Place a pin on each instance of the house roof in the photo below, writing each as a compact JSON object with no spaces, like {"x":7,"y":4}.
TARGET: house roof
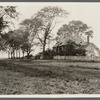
{"x":92,"y":44}
{"x":95,"y":47}
{"x":83,"y":46}
{"x":64,"y":39}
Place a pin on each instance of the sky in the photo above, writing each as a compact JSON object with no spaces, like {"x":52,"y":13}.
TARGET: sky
{"x":88,"y":13}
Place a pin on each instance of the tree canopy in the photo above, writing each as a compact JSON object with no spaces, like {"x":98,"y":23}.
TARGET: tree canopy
{"x":38,"y":30}
{"x":6,"y":14}
{"x":48,"y":18}
{"x":75,"y":28}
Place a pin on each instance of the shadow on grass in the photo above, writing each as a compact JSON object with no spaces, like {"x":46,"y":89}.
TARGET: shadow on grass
{"x":27,"y":71}
{"x":67,"y":73}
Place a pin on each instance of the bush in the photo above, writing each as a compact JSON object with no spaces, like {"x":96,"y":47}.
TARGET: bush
{"x":49,"y":54}
{"x":30,"y":56}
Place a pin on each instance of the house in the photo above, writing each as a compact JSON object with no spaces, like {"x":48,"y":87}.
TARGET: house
{"x":91,"y":49}
{"x":63,"y":40}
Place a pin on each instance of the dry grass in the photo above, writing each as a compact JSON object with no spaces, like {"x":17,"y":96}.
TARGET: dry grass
{"x":49,"y":77}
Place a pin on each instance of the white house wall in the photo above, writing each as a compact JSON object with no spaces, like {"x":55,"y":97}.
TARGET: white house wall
{"x":91,"y":51}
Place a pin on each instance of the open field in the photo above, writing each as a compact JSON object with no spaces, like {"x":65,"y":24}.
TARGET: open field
{"x":49,"y":77}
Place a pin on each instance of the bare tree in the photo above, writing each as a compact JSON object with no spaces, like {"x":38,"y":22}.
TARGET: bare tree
{"x":48,"y":17}
{"x":6,"y":14}
{"x":29,"y":32}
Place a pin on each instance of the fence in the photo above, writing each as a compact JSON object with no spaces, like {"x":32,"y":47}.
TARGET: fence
{"x":77,"y":58}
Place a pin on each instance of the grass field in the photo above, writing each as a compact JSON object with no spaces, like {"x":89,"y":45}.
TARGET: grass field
{"x":49,"y":77}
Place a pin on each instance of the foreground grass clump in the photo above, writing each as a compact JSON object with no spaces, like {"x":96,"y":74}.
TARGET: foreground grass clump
{"x":49,"y":77}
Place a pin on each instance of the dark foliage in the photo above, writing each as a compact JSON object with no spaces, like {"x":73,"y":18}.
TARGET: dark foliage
{"x":49,"y":54}
{"x":70,"y":49}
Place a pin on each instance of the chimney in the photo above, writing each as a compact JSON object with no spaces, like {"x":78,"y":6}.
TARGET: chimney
{"x":88,"y":39}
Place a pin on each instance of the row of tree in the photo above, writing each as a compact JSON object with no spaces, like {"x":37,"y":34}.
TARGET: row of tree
{"x":34,"y":31}
{"x":38,"y":28}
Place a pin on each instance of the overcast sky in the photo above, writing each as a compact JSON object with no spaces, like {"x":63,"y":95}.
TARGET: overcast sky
{"x":89,"y":13}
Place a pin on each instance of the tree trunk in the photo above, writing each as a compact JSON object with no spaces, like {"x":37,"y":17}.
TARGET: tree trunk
{"x":11,"y":55}
{"x":43,"y":51}
{"x":19,"y":53}
{"x":23,"y":54}
{"x":28,"y":55}
{"x":8,"y":55}
{"x":44,"y":44}
{"x":16,"y":53}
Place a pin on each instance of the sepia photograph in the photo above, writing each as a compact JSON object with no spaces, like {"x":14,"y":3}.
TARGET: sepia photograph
{"x":49,"y":48}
